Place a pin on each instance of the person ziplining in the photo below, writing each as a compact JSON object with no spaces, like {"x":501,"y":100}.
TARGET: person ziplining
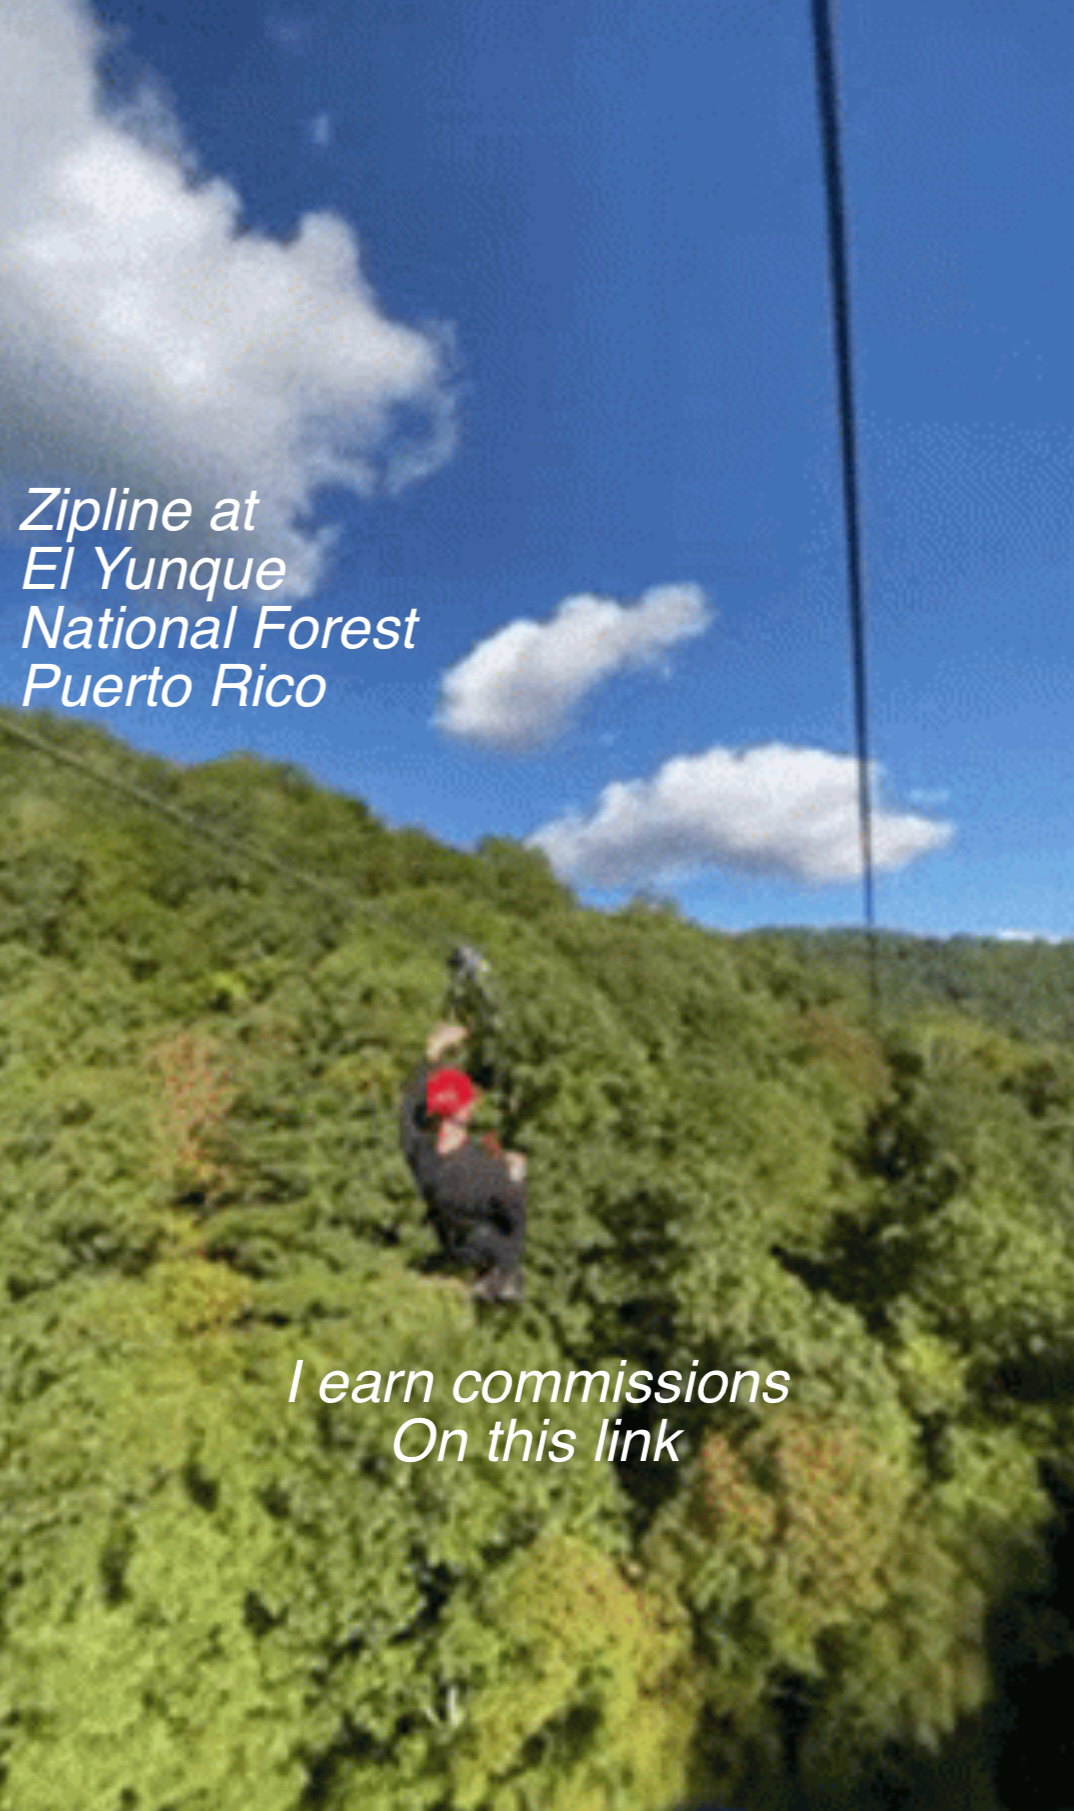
{"x":475,"y":1193}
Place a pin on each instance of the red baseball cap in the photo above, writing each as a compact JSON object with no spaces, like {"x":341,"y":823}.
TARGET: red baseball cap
{"x":447,"y":1092}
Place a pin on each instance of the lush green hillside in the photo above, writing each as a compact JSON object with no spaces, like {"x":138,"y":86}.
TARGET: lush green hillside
{"x":214,"y":1599}
{"x":1023,"y":988}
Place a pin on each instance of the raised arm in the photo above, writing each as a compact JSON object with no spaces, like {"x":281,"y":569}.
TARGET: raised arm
{"x":443,"y":1038}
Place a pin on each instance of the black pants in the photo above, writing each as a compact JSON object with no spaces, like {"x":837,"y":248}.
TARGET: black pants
{"x":485,"y":1244}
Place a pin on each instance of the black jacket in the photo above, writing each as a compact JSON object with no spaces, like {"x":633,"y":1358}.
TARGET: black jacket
{"x":478,"y":1211}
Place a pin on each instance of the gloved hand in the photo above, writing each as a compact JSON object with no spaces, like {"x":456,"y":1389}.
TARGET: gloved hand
{"x":441,"y":1039}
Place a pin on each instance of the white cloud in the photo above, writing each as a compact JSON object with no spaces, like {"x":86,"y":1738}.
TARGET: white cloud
{"x":517,"y":690}
{"x":322,"y":130}
{"x":146,"y":338}
{"x":1029,"y":937}
{"x":287,"y":33}
{"x":773,"y":810}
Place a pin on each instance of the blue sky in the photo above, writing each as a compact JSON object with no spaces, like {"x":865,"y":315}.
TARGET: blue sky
{"x":587,"y":358}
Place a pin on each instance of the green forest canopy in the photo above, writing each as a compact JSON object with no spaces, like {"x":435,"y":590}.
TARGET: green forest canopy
{"x":857,"y":1597}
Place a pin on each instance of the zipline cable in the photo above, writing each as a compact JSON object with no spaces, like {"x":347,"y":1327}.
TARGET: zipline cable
{"x":470,"y":995}
{"x":827,"y":78}
{"x":200,"y":832}
{"x":235,"y":848}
